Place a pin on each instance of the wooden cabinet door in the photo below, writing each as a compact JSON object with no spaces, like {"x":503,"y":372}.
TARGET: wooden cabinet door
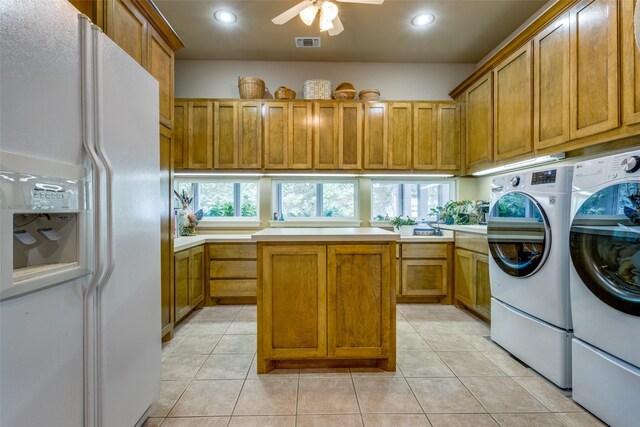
{"x":196,"y":279}
{"x":447,"y":137}
{"x":326,"y":135}
{"x":630,"y":65}
{"x":166,"y":233}
{"x":300,"y":135}
{"x":160,"y":64}
{"x":225,"y":135}
{"x":294,"y":298}
{"x":276,"y":135}
{"x":479,"y":123}
{"x":465,"y":277}
{"x":422,"y":277}
{"x":398,"y":277}
{"x":127,"y":28}
{"x":376,"y":129}
{"x":513,"y":111}
{"x":350,"y":135}
{"x":425,"y":151}
{"x":200,"y":141}
{"x":482,"y":283}
{"x":594,"y":67}
{"x":180,"y":134}
{"x":250,"y":135}
{"x":359,"y":297}
{"x":551,"y":95}
{"x":400,"y":133}
{"x":182,"y":267}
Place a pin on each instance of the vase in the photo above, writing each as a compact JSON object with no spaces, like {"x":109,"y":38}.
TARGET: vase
{"x":406,"y":230}
{"x":185,"y":226}
{"x":449,"y":221}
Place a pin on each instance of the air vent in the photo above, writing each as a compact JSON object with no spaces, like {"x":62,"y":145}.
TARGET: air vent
{"x":307,"y":41}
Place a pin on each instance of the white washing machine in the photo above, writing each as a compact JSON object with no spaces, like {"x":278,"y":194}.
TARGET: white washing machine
{"x":528,"y":233}
{"x":605,"y":287}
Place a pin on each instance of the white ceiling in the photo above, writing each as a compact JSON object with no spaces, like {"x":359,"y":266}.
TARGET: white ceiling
{"x":464,"y":30}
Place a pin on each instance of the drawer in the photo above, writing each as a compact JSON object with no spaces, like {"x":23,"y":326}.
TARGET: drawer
{"x":233,"y":251}
{"x":227,"y":269}
{"x":233,"y":288}
{"x":472,"y":242}
{"x":424,"y":250}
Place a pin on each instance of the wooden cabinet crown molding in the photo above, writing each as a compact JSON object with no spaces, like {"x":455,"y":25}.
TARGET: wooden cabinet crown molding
{"x":158,"y":21}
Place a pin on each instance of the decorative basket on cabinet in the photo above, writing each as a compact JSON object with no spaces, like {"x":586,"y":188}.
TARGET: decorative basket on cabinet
{"x":251,"y":88}
{"x":317,"y":89}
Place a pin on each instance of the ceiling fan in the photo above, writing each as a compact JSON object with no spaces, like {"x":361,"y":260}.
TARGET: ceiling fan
{"x":308,"y":9}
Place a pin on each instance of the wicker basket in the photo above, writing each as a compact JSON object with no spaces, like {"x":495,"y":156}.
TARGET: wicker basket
{"x":369,"y":95}
{"x":317,"y":89}
{"x":284,"y":93}
{"x":345,"y":90}
{"x":251,"y":88}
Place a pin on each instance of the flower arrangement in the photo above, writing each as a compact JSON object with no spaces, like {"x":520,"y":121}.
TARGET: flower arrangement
{"x":187,"y":220}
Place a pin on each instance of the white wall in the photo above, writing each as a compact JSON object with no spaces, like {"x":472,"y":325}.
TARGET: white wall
{"x":219,"y":79}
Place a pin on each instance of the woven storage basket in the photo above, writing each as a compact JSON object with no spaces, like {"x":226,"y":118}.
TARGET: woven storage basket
{"x":285,"y":93}
{"x":369,"y":94}
{"x":345,"y":91}
{"x":317,"y":89}
{"x":250,"y":88}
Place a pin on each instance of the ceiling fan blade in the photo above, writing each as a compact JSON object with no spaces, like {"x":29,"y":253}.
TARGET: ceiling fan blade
{"x":337,"y":27}
{"x":362,"y":1}
{"x":286,"y":16}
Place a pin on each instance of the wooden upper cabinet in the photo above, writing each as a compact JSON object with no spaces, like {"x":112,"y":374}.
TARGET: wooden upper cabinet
{"x":225,"y":134}
{"x":479,"y":123}
{"x":160,"y":63}
{"x":551,"y":96}
{"x":127,"y":28}
{"x":249,"y":135}
{"x":594,"y":67}
{"x":276,"y":135}
{"x":630,"y":66}
{"x":400,"y":132}
{"x":375,"y":135}
{"x":326,"y":135}
{"x":512,"y":118}
{"x":180,"y":134}
{"x":200,"y":139}
{"x":350,"y":135}
{"x":447,"y":137}
{"x":424,"y":136}
{"x":300,"y":135}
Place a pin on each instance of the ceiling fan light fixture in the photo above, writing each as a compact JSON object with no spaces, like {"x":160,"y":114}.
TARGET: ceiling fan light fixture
{"x":329,"y":10}
{"x":308,"y":15}
{"x":423,"y":19}
{"x":325,"y":24}
{"x":225,"y":16}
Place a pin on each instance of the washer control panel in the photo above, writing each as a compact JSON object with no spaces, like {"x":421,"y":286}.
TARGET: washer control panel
{"x":631,"y":164}
{"x":544,"y":177}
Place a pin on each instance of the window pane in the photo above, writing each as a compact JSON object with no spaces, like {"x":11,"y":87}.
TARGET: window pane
{"x":298,"y":199}
{"x":338,"y":199}
{"x":216,"y":198}
{"x":248,"y":199}
{"x":385,"y":199}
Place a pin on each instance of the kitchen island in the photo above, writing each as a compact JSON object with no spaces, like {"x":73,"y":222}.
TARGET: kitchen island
{"x":326,"y":298}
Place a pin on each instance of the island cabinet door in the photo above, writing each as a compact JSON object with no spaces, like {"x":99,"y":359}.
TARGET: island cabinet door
{"x":294,"y":295}
{"x":182,"y":272}
{"x":359,"y":297}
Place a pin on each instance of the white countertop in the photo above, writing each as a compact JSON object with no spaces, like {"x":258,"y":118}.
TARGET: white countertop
{"x":324,"y":234}
{"x":182,"y":243}
{"x":475,"y":229}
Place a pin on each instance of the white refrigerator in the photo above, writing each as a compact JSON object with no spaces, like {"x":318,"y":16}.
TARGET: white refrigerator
{"x":80,"y":207}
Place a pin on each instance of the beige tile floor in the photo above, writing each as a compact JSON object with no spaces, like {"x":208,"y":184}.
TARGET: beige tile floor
{"x":448,"y":374}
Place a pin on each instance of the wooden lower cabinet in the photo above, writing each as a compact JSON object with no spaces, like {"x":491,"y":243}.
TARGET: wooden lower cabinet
{"x":188,"y":283}
{"x":326,"y":305}
{"x":425,"y":272}
{"x":232,"y":273}
{"x":472,"y":285}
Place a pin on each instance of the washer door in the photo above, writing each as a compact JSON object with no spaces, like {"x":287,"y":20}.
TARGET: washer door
{"x":519,"y":234}
{"x":605,"y":246}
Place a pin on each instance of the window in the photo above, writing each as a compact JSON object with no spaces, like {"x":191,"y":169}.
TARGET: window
{"x":222,"y":198}
{"x":315,"y":199}
{"x":414,"y":199}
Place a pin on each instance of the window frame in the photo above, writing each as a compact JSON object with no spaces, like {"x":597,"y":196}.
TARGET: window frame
{"x":405,"y":204}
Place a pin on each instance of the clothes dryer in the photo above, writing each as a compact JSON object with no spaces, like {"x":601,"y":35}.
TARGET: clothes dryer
{"x":605,"y":287}
{"x":528,"y":231}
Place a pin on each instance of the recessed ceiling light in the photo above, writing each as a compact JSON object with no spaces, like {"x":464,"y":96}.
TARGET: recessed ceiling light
{"x":423,"y":19}
{"x":225,"y":16}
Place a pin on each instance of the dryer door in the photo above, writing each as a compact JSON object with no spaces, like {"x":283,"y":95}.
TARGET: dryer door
{"x":605,"y":245}
{"x":519,"y":234}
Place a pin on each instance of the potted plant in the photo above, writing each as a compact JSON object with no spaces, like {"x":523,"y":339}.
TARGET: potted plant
{"x":453,"y":212}
{"x":403,"y":225}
